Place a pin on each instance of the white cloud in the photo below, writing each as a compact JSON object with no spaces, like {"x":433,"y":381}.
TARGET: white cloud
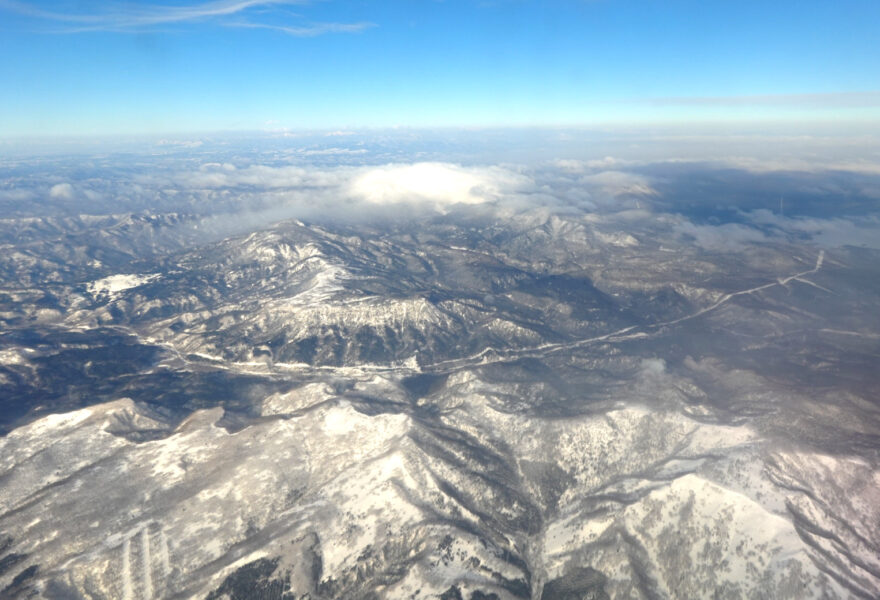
{"x":359,"y":191}
{"x":269,"y":193}
{"x":435,"y":184}
{"x":865,"y":231}
{"x":727,"y":237}
{"x":653,"y":367}
{"x":264,"y":193}
{"x":62,"y":191}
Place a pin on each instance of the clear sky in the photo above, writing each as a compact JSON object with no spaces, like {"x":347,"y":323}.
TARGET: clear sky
{"x":104,"y":67}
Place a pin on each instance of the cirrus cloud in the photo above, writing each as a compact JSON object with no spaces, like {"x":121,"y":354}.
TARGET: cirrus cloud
{"x":140,"y":17}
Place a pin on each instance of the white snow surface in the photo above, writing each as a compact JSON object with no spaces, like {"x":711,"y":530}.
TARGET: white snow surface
{"x":114,"y":284}
{"x":366,"y":492}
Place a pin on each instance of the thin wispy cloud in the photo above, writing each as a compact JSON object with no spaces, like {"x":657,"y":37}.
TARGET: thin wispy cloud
{"x":310,"y":30}
{"x":138,"y":17}
{"x":867,"y":99}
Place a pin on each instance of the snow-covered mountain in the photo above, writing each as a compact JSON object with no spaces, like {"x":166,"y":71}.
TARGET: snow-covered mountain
{"x":466,"y":404}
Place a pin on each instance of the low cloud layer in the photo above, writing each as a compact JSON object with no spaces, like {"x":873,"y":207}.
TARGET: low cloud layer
{"x":713,"y":206}
{"x":837,"y":231}
{"x":727,"y":237}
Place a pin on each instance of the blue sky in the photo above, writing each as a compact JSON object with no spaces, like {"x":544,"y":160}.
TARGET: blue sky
{"x":76,"y":67}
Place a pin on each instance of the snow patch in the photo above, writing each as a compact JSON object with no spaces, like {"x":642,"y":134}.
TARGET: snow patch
{"x":117,"y":283}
